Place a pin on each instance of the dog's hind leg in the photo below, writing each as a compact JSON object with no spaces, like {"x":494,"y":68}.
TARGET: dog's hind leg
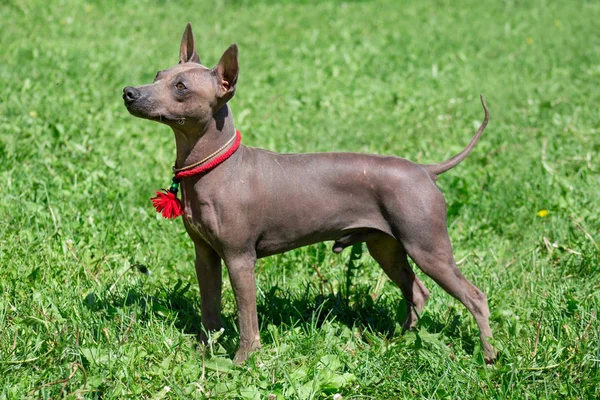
{"x":391,"y":256}
{"x":432,"y":252}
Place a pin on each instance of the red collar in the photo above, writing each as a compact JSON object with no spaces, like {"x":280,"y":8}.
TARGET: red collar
{"x":167,"y":203}
{"x":209,"y":164}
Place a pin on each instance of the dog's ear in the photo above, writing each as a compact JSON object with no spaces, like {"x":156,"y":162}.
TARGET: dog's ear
{"x":226,"y":72}
{"x":187,"y":50}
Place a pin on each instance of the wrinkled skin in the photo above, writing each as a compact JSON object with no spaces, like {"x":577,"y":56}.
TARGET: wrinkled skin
{"x":258,"y":203}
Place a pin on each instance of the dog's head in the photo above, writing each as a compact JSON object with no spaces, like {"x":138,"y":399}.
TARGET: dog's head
{"x":189,"y":94}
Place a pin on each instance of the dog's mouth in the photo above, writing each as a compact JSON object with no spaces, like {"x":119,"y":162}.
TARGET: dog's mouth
{"x":134,"y":109}
{"x":147,"y":112}
{"x":141,"y":107}
{"x":141,"y":104}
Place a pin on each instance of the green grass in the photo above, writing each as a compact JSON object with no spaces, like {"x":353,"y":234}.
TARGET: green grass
{"x":78,"y":320}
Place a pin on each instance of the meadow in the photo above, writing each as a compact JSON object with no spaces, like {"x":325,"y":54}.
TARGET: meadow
{"x":98,"y":294}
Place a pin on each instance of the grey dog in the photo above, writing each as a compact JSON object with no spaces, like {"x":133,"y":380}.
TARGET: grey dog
{"x":258,"y":203}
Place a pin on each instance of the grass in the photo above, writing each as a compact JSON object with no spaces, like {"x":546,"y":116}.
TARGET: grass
{"x":78,"y":320}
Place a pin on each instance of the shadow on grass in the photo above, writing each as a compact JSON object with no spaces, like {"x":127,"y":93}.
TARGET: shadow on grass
{"x":353,"y":307}
{"x":383,"y":316}
{"x":278,"y":307}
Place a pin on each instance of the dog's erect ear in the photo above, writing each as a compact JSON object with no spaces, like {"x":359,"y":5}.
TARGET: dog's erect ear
{"x":226,"y":72}
{"x":187,"y":50}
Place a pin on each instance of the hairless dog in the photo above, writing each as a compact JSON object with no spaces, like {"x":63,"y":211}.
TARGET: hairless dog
{"x":251,"y":203}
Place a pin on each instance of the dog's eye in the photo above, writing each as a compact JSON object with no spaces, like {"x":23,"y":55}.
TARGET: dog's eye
{"x":180,"y":86}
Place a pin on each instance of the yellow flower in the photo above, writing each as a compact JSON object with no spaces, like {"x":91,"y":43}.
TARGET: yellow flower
{"x":529,"y":41}
{"x":557,"y":22}
{"x":32,"y":114}
{"x":542,"y":213}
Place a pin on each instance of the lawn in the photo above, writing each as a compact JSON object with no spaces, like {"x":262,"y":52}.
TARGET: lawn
{"x":98,"y":294}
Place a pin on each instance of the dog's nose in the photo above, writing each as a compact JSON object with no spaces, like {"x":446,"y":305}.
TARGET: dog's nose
{"x":130,"y":94}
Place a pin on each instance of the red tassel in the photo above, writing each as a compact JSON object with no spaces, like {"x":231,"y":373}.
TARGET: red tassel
{"x":168,"y":204}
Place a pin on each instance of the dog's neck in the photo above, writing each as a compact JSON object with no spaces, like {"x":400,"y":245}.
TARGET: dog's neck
{"x":194,"y":145}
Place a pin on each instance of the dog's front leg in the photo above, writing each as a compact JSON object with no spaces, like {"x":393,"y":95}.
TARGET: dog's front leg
{"x":241,"y":275}
{"x":208,"y":271}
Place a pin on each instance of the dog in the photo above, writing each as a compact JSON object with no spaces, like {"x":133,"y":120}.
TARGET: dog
{"x":248,"y":203}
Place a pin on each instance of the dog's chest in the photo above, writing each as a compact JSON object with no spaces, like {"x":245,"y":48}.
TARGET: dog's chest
{"x":201,"y":221}
{"x":194,"y":228}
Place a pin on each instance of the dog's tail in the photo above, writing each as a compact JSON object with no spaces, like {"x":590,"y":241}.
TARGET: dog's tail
{"x":440,"y":168}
